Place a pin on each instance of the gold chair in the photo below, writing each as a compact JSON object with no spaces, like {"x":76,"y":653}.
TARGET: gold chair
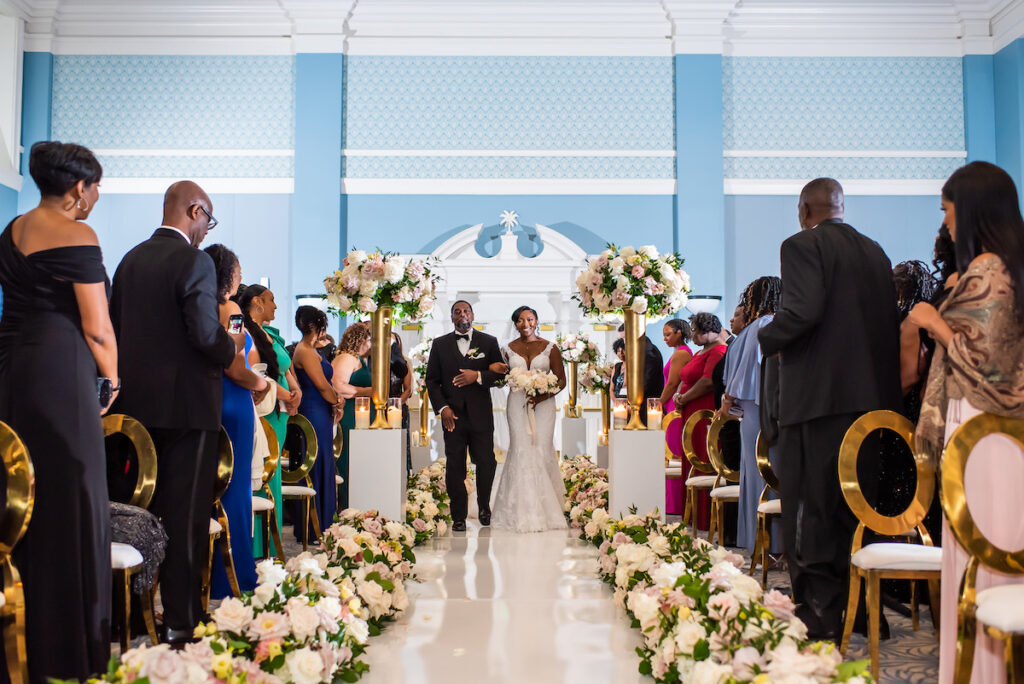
{"x":725,"y":490}
{"x":264,"y":508}
{"x":695,"y":483}
{"x":21,"y":494}
{"x":673,"y":465}
{"x":290,"y":491}
{"x":219,"y":524}
{"x":886,"y":560}
{"x":339,"y":445}
{"x":767,"y":511}
{"x":125,"y":559}
{"x":1000,"y":609}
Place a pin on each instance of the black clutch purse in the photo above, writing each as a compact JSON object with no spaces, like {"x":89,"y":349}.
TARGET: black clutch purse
{"x":105,"y":390}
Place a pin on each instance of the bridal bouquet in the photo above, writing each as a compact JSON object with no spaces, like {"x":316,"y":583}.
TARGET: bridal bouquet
{"x":596,"y":376}
{"x":640,"y":280}
{"x":419,"y":355}
{"x":532,"y":382}
{"x":577,"y":348}
{"x":369,"y":281}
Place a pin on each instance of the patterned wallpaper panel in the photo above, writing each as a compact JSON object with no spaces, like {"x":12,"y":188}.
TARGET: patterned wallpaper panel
{"x":848,"y":168}
{"x":178,"y":102}
{"x":843,"y":103}
{"x":508,"y":167}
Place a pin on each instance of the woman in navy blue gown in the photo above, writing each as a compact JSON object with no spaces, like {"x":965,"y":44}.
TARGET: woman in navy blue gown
{"x":319,"y":405}
{"x":238,"y":416}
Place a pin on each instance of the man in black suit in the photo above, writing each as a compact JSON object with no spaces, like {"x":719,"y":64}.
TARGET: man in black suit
{"x":173,"y":350}
{"x":459,"y":380}
{"x":838,"y":336}
{"x":654,"y":371}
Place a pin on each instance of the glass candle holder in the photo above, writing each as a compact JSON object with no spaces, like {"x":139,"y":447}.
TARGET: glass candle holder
{"x":362,"y":413}
{"x":654,"y":414}
{"x":395,"y":413}
{"x":620,"y":413}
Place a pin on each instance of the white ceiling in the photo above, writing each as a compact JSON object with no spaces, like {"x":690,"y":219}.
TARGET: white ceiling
{"x":509,"y":27}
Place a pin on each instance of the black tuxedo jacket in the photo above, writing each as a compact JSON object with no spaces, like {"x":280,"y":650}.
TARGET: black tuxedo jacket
{"x":654,"y":372}
{"x":471,"y":403}
{"x":837,"y":328}
{"x":172,"y":349}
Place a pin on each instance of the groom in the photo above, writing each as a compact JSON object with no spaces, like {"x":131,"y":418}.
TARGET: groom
{"x":459,"y":382}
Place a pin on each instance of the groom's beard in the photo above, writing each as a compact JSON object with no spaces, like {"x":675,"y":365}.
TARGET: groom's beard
{"x":463,"y":327}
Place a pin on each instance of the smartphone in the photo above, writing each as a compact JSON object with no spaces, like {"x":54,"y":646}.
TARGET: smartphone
{"x":235,"y":324}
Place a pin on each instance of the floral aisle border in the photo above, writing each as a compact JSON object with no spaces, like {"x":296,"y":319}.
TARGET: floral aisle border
{"x":309,"y":620}
{"x":703,"y":620}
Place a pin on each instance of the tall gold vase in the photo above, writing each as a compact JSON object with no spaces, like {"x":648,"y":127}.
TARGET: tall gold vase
{"x":573,"y":385}
{"x":380,"y":363}
{"x":606,"y":415}
{"x":635,"y":353}
{"x":424,"y":417}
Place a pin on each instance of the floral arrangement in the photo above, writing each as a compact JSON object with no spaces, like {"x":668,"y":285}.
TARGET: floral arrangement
{"x":577,"y":348}
{"x":596,"y":376}
{"x":639,"y":280}
{"x":586,"y":490}
{"x":427,"y":503}
{"x":702,"y":619}
{"x":532,"y":382}
{"x":420,"y":354}
{"x":369,"y":281}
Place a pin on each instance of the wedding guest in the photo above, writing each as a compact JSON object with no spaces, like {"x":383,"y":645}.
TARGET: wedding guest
{"x":978,"y":367}
{"x":676,"y":333}
{"x":318,"y":404}
{"x":55,"y":339}
{"x":173,"y":353}
{"x":238,"y":416}
{"x":944,"y":264}
{"x":743,"y":396}
{"x":619,"y":371}
{"x":401,"y":388}
{"x":728,"y":336}
{"x":654,"y":379}
{"x":326,"y":348}
{"x":837,"y":320}
{"x":695,"y":392}
{"x":259,"y":308}
{"x":352,"y":379}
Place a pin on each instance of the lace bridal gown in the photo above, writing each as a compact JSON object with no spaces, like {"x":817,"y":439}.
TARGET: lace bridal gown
{"x":531,"y":492}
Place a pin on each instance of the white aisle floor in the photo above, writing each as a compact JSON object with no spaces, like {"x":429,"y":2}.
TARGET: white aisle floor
{"x":495,"y":606}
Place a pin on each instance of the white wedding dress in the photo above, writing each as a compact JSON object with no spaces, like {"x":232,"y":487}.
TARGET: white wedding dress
{"x":531,"y":492}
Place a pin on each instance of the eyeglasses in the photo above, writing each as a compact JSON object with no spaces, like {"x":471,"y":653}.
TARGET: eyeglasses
{"x":211,"y":222}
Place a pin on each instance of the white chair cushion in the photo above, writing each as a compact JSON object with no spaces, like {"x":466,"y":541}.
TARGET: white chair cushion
{"x":773,"y":507}
{"x":674,"y":463}
{"x":124,"y":556}
{"x":215,"y":527}
{"x":1002,"y":607}
{"x":297,"y":490}
{"x":727,"y":492}
{"x":701,"y":481}
{"x":3,"y":600}
{"x":897,"y":556}
{"x":673,"y":472}
{"x":338,"y":479}
{"x":260,"y":504}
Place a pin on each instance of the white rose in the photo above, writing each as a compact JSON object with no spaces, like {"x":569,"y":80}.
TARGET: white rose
{"x":376,"y":599}
{"x":330,"y":606}
{"x":343,"y":302}
{"x":305,"y":666}
{"x":627,"y":252}
{"x":394,"y":530}
{"x":708,"y":672}
{"x":303,"y":619}
{"x":334,"y":299}
{"x":270,"y":571}
{"x":232,"y":616}
{"x":602,"y":301}
{"x":311,"y":567}
{"x":644,"y":607}
{"x":356,"y":257}
{"x":393,"y":272}
{"x":426,"y":305}
{"x":367,"y":305}
{"x":688,"y":634}
{"x":264,"y":594}
{"x":367,"y":288}
{"x":617,"y":265}
{"x":359,"y":630}
{"x":659,"y":545}
{"x":666,"y":574}
{"x":745,"y":588}
{"x":399,"y":599}
{"x":649,"y":251}
{"x":404,"y":294}
{"x":639,"y":304}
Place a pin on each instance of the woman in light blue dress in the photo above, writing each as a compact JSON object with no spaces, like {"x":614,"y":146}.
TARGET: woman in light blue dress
{"x":743,"y":391}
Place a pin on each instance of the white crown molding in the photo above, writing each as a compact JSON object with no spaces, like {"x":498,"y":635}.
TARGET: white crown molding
{"x":885,"y":154}
{"x":885,"y":186}
{"x":10,"y":178}
{"x":507,"y":153}
{"x":213,"y":186}
{"x":1008,"y":24}
{"x":508,"y":186}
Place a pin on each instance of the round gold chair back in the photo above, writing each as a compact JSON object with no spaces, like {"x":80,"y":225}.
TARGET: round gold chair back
{"x":715,"y":452}
{"x":764,"y":465}
{"x":21,"y":489}
{"x":665,"y":422}
{"x":688,"y":428}
{"x":293,"y":475}
{"x":270,"y":464}
{"x":849,"y":452}
{"x":225,"y":464}
{"x":339,"y":443}
{"x":954,"y":498}
{"x":145,"y":452}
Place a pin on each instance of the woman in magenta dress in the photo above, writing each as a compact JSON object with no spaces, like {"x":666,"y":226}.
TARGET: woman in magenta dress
{"x":676,"y":334}
{"x":696,"y":392}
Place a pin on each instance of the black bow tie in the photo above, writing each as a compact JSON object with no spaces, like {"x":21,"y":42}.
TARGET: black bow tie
{"x":459,"y":336}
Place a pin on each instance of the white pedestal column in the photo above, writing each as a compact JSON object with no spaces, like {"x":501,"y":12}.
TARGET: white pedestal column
{"x":602,"y":456}
{"x":420,"y":458}
{"x":636,"y":471}
{"x":377,"y":472}
{"x":574,"y":437}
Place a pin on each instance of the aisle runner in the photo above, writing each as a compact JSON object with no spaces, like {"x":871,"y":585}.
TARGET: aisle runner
{"x":702,"y":619}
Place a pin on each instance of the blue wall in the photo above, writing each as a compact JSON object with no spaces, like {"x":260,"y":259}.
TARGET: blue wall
{"x":1009,"y":110}
{"x":8,"y":204}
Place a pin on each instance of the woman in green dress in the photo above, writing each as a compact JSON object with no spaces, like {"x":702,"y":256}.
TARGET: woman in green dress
{"x":258,"y":307}
{"x":351,"y":379}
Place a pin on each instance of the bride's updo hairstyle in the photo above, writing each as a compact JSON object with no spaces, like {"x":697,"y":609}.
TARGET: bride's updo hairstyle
{"x":518,"y":312}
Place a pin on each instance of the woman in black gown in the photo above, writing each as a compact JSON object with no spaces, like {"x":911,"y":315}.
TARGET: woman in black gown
{"x":55,"y":340}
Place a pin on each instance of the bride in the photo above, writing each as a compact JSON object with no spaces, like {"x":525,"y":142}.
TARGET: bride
{"x":531,"y":492}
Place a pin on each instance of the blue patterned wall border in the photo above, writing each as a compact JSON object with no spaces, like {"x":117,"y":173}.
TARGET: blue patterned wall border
{"x":204,"y":166}
{"x":843,"y":103}
{"x":174,"y":102}
{"x":849,"y":168}
{"x":508,"y":167}
{"x":520,"y":103}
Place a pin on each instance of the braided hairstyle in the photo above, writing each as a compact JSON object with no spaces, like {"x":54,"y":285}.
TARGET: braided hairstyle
{"x":680,"y":326}
{"x":224,"y":263}
{"x":914,"y":284}
{"x":309,"y":319}
{"x":244,"y":297}
{"x":945,"y":255}
{"x":704,"y":322}
{"x":761,"y":298}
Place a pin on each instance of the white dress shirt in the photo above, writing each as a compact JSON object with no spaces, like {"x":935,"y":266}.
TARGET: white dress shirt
{"x":179,"y":232}
{"x":464,"y":346}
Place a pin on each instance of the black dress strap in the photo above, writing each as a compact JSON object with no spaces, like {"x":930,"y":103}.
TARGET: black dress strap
{"x":75,"y":263}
